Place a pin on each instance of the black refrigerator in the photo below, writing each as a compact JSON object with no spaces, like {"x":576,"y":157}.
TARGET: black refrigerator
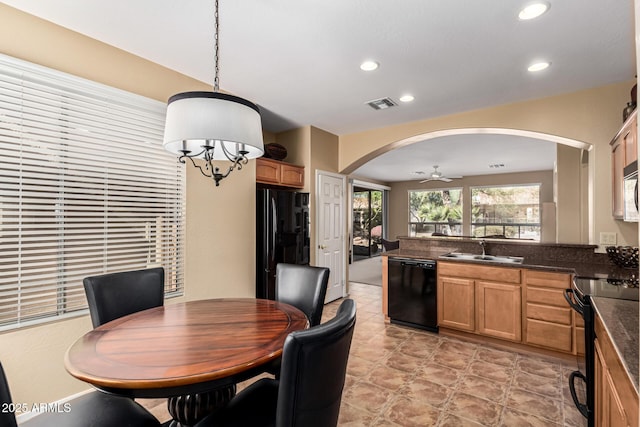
{"x":282,"y":235}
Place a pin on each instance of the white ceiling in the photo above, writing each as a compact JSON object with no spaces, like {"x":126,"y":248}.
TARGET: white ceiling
{"x":299,"y":60}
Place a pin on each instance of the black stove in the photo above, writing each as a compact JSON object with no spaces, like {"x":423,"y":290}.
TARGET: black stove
{"x":579,"y":298}
{"x":626,"y":289}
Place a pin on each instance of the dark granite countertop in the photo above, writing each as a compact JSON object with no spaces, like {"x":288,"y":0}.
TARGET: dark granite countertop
{"x":432,"y":254}
{"x":580,"y":269}
{"x":620,"y":319}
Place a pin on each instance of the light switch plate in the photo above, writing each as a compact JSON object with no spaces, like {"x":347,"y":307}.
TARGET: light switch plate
{"x":608,"y":238}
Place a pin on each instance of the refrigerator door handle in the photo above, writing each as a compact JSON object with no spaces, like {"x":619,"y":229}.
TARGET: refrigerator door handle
{"x":274,"y":225}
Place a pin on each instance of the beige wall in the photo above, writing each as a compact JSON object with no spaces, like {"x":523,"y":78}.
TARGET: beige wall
{"x":399,"y":195}
{"x":298,"y":145}
{"x":315,"y":149}
{"x":220,"y":221}
{"x":570,"y":216}
{"x":592,"y":116}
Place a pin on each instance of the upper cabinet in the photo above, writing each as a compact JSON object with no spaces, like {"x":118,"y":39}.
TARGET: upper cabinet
{"x":624,"y":151}
{"x":275,"y":172}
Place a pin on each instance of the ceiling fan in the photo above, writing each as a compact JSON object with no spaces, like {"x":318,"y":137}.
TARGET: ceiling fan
{"x":436,"y":175}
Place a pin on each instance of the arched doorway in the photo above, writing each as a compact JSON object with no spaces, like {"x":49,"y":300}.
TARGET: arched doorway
{"x":571,"y":180}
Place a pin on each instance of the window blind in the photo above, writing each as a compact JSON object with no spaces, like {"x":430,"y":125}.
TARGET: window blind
{"x":85,"y":188}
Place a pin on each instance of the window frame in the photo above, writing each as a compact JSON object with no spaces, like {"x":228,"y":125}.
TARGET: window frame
{"x":519,"y":225}
{"x":67,"y":146}
{"x":460,"y":223}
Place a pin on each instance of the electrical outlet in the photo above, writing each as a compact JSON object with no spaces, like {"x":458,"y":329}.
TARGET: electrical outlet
{"x":608,"y":239}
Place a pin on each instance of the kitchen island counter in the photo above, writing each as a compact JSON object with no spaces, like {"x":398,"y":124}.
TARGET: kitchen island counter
{"x":620,"y":319}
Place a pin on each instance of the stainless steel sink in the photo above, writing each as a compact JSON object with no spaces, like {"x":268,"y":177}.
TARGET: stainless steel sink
{"x":484,"y":258}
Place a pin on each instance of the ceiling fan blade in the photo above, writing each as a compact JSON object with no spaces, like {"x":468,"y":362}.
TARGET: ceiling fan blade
{"x":435,"y":179}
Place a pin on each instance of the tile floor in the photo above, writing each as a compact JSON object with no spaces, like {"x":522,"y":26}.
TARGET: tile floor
{"x":400,"y":376}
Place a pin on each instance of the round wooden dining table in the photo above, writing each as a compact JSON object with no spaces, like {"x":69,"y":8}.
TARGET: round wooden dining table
{"x":192,"y":353}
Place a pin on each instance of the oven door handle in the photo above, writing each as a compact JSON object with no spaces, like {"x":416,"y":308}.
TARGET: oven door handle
{"x":584,"y":410}
{"x":569,"y":295}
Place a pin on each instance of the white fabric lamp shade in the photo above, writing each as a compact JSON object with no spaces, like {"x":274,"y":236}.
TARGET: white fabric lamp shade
{"x":196,"y":117}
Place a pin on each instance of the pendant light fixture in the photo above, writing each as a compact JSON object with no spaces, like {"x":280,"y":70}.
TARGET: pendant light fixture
{"x":213,"y":126}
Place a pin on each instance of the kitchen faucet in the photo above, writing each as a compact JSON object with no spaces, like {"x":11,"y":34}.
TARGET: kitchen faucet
{"x":483,"y":244}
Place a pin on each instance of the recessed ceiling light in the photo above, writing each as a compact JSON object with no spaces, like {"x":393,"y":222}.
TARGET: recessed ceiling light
{"x":369,"y":65}
{"x":538,"y":66}
{"x":407,"y":98}
{"x":533,"y":10}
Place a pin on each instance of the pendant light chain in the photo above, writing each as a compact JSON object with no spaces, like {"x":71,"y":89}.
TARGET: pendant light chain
{"x":216,"y":55}
{"x":213,"y":126}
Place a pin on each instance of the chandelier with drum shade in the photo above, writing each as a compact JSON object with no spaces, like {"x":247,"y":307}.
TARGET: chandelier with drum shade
{"x":213,"y":126}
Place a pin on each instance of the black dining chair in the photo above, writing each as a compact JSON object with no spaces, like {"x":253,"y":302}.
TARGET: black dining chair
{"x":95,"y":409}
{"x":309,"y":391}
{"x":114,"y":295}
{"x":303,"y":287}
{"x":390,"y":245}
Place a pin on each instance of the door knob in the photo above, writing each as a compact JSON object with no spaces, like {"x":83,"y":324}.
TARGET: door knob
{"x":323,"y":246}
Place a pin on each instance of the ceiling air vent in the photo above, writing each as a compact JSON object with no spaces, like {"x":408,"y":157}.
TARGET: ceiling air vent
{"x":381,"y":104}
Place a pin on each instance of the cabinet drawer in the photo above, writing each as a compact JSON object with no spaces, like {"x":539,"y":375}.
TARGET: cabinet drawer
{"x":545,"y":296}
{"x":550,"y":335}
{"x":549,"y":313}
{"x":548,"y":279}
{"x":480,"y":272}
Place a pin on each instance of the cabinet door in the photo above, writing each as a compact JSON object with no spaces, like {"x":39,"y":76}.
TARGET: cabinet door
{"x":498,"y":306}
{"x":292,"y":175}
{"x":267,"y":171}
{"x":629,"y":136}
{"x":609,"y":411}
{"x":615,"y":415}
{"x":617,"y":170}
{"x":456,"y":303}
{"x":598,"y":373}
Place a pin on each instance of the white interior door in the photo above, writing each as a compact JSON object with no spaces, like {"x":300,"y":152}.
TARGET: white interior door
{"x":330,"y":228}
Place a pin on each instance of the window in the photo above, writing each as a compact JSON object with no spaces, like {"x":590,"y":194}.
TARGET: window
{"x":86,"y":189}
{"x":435,"y":211}
{"x":508,"y":211}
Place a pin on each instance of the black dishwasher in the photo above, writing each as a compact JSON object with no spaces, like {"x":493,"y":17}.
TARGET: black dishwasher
{"x":412,"y":293}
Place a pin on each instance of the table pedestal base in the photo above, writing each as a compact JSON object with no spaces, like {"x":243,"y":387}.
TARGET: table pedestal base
{"x":189,"y":409}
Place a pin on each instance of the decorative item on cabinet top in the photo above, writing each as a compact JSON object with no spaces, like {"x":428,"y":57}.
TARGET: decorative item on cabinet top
{"x":628,"y":110}
{"x":275,"y":151}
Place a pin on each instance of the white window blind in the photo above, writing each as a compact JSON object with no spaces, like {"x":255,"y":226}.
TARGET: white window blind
{"x":85,"y":188}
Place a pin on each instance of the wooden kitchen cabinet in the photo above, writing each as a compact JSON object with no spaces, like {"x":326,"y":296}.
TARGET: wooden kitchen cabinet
{"x":578,"y":333}
{"x":624,"y":150}
{"x":269,"y":171}
{"x":617,"y":176}
{"x":498,"y":308}
{"x":616,"y":402}
{"x":484,"y":300}
{"x":548,"y":319}
{"x":629,"y":136}
{"x":456,"y":303}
